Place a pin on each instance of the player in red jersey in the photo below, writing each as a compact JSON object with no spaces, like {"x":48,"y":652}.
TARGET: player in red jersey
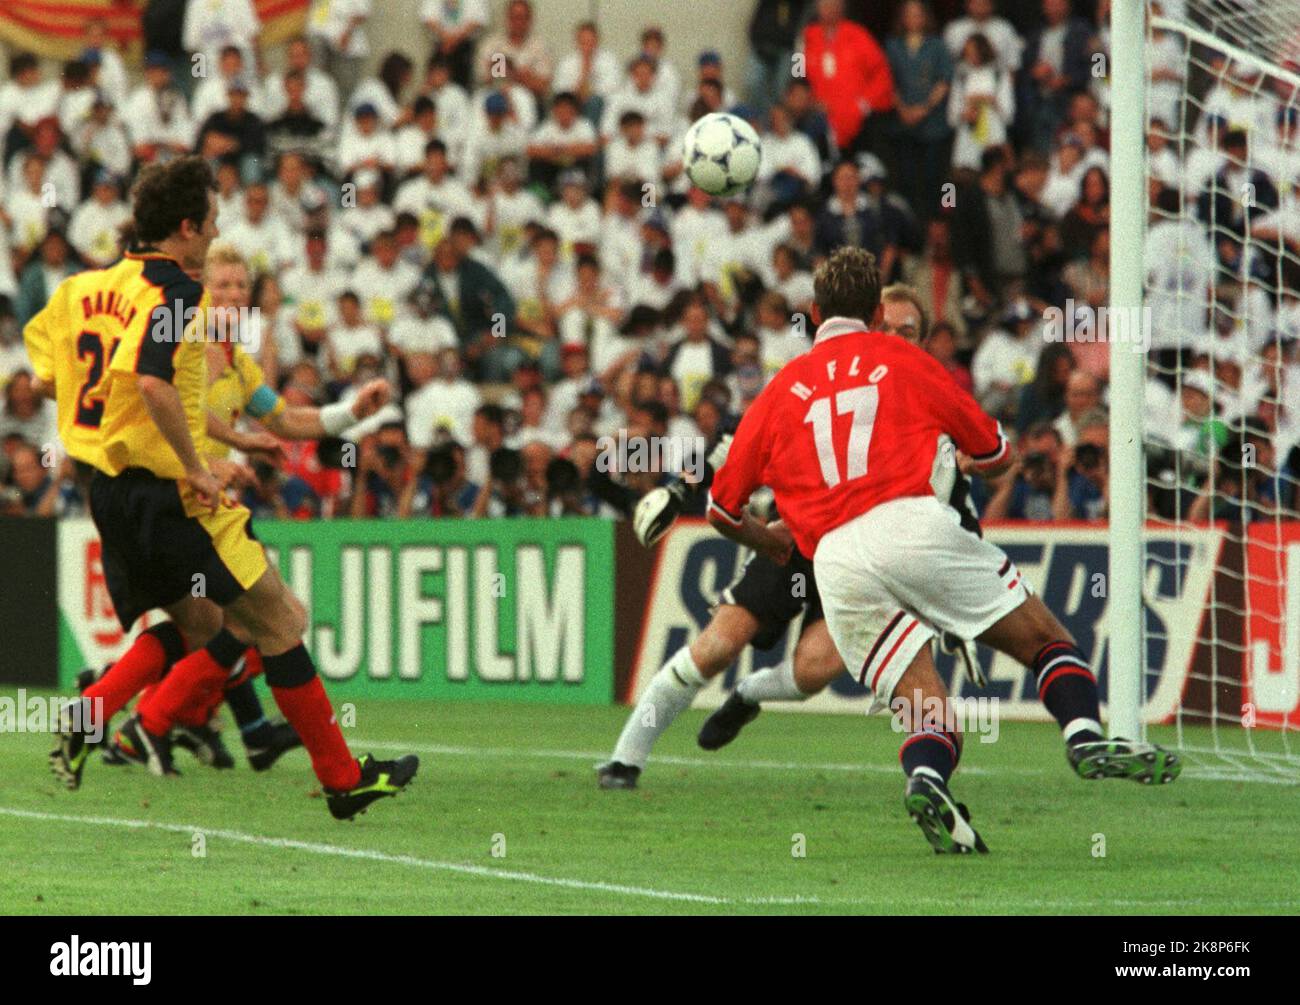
{"x":845,"y":436}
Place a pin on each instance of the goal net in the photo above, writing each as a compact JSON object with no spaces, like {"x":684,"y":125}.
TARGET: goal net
{"x":1221,"y":395}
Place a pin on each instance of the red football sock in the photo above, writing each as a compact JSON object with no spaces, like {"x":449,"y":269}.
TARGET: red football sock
{"x":252,"y":668}
{"x":140,"y":666}
{"x":203,"y":704}
{"x":190,"y":678}
{"x":308,"y":710}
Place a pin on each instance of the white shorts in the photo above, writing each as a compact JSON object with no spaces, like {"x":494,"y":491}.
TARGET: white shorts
{"x":891,"y":577}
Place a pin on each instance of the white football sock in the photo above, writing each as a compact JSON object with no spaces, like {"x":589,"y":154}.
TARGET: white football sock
{"x":670,"y":693}
{"x":771,"y":684}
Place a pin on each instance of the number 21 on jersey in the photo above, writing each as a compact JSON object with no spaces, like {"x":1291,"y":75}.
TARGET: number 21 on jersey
{"x":90,"y":349}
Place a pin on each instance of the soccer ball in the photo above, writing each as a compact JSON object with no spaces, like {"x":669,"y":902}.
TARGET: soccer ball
{"x":722,"y":153}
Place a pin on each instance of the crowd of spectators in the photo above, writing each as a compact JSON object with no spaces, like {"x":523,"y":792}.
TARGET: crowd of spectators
{"x":507,"y":234}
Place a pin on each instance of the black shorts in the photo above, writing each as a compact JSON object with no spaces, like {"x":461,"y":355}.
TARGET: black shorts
{"x":776,"y":595}
{"x":154,"y":553}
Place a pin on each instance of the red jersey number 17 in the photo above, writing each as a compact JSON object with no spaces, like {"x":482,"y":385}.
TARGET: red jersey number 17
{"x":862,"y":402}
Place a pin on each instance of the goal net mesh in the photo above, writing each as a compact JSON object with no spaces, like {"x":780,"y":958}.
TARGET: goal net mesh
{"x":1222,"y":403}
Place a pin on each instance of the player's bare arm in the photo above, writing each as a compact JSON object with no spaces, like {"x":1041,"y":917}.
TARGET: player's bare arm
{"x":772,"y":540}
{"x":165,"y":409}
{"x":309,"y":423}
{"x":257,"y":441}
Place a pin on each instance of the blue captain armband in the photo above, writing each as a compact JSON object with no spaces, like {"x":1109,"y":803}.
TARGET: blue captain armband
{"x":262,"y":402}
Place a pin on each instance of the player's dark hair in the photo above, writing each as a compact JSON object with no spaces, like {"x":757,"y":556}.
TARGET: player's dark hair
{"x":167,"y":195}
{"x":847,"y":284}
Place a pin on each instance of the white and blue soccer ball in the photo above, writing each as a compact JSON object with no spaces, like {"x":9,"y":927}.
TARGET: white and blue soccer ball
{"x":722,"y":153}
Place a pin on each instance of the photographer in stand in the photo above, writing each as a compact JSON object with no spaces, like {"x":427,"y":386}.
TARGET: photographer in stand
{"x":442,"y":489}
{"x":385,"y":470}
{"x":1027,"y":489}
{"x":1082,"y":489}
{"x":505,"y":492}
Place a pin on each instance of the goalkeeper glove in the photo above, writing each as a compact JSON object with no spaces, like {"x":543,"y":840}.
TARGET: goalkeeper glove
{"x":967,"y":656}
{"x":655,"y":513}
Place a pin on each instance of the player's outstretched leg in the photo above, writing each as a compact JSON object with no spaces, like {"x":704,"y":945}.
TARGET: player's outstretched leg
{"x":929,"y":756}
{"x":1068,"y":690}
{"x":816,"y":663}
{"x":671,"y":691}
{"x":271,"y":614}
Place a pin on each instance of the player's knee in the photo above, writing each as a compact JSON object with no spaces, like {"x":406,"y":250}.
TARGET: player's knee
{"x":197,"y":622}
{"x":712,"y":654}
{"x":816,"y":661}
{"x":296,"y":617}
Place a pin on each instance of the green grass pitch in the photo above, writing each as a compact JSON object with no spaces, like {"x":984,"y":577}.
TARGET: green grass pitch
{"x":505,"y":818}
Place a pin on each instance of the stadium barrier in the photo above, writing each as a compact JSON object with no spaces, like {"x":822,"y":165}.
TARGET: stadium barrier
{"x":487,"y":609}
{"x":575,"y":611}
{"x":1251,"y":631}
{"x":29,"y":613}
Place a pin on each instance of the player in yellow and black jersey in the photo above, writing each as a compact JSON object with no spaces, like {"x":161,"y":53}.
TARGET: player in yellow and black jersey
{"x":238,"y":388}
{"x":170,"y":537}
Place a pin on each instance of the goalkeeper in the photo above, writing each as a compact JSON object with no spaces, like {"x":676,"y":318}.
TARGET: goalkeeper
{"x":759,"y":607}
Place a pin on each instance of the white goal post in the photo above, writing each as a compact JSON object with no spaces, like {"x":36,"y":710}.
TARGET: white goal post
{"x":1205,"y":253}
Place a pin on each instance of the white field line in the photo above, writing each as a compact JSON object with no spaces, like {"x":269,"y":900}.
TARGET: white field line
{"x":460,"y":868}
{"x":1190,"y":770}
{"x":484,"y":872}
{"x":594,"y":758}
{"x":589,"y":886}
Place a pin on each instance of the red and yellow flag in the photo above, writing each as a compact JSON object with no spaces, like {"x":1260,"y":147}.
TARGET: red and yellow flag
{"x":56,"y":28}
